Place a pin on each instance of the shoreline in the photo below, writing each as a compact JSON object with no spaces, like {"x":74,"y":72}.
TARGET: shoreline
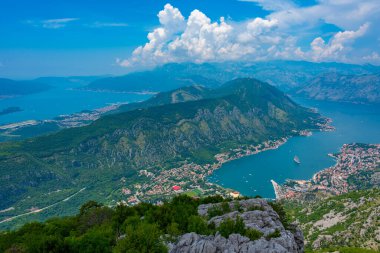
{"x":121,"y":92}
{"x":301,"y":133}
{"x":64,"y":121}
{"x":192,"y":177}
{"x":351,"y":160}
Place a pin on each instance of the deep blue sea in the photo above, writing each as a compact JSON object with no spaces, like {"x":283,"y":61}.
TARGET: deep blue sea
{"x":58,"y":101}
{"x":251,"y":175}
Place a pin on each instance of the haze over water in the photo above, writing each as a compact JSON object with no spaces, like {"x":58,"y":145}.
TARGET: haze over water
{"x":251,"y":175}
{"x":58,"y":101}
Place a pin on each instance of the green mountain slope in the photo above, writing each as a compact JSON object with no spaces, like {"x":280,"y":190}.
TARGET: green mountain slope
{"x":110,"y":153}
{"x":348,"y":220}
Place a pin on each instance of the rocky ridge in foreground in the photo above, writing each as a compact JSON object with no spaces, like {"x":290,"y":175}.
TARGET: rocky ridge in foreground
{"x":257,"y":215}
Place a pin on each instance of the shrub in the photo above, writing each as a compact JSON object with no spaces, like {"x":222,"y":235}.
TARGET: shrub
{"x":218,"y":210}
{"x":230,"y":226}
{"x":197,"y":225}
{"x":255,"y":207}
{"x":274,"y":234}
{"x":212,"y":199}
{"x":145,"y":238}
{"x":253,"y":234}
{"x":280,"y":210}
{"x":237,"y":207}
{"x":173,"y":231}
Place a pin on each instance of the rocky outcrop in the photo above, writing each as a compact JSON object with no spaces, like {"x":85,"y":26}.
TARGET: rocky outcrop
{"x":256,"y":214}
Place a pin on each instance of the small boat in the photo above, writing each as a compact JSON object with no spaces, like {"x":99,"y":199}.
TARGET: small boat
{"x":296,"y":160}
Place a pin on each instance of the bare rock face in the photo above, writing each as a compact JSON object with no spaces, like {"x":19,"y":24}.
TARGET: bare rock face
{"x":256,"y":214}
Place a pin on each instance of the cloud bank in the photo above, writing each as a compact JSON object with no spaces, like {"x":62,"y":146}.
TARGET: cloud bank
{"x":280,"y":35}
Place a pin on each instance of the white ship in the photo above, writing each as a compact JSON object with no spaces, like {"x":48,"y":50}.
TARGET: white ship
{"x":296,"y":160}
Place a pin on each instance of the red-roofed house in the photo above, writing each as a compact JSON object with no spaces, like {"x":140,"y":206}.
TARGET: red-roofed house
{"x":176,"y":188}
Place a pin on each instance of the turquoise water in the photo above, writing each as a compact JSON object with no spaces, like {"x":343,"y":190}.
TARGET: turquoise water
{"x":58,"y":101}
{"x":251,"y":175}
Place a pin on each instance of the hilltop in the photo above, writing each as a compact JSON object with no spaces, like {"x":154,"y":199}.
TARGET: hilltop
{"x":184,"y":224}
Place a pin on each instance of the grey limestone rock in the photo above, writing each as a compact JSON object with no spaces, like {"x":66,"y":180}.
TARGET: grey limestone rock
{"x":256,"y":214}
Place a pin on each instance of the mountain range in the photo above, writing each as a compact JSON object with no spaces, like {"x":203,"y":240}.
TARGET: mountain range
{"x":323,"y":81}
{"x":343,"y":88}
{"x":10,"y":88}
{"x":41,"y":171}
{"x":286,"y":75}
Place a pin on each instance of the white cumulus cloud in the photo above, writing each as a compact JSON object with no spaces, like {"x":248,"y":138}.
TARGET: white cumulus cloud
{"x":199,"y":39}
{"x":338,"y":45}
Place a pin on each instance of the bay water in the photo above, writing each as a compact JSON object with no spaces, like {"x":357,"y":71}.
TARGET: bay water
{"x":251,"y":175}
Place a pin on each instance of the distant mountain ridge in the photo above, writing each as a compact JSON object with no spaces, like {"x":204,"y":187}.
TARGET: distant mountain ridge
{"x":285,"y":75}
{"x":116,"y":147}
{"x":9,"y":88}
{"x":157,"y":80}
{"x":68,"y":81}
{"x":343,"y":88}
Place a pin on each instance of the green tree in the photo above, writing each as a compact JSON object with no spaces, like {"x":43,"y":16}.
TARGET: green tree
{"x":94,"y":217}
{"x":145,"y":238}
{"x":198,"y":225}
{"x":120,"y":215}
{"x":88,"y":206}
{"x":97,"y":240}
{"x":230,"y":226}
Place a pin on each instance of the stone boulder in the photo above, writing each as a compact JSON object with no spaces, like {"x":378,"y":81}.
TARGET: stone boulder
{"x":256,"y":214}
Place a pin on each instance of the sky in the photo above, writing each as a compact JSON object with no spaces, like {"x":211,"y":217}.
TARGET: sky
{"x":99,"y":37}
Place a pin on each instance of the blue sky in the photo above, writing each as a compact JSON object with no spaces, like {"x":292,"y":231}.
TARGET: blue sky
{"x":83,"y":37}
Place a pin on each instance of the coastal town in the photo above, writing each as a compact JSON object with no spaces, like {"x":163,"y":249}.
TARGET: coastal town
{"x":61,"y":122}
{"x":357,"y":167}
{"x":190,"y":178}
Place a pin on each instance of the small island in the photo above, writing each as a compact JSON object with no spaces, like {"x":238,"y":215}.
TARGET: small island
{"x":10,"y":110}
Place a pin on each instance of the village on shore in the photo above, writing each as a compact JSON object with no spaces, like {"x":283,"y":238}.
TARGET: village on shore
{"x":191,"y":178}
{"x":357,"y":167}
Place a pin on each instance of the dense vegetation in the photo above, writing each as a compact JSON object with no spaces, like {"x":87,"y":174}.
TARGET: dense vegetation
{"x":108,"y":154}
{"x":141,"y":228}
{"x":341,"y":223}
